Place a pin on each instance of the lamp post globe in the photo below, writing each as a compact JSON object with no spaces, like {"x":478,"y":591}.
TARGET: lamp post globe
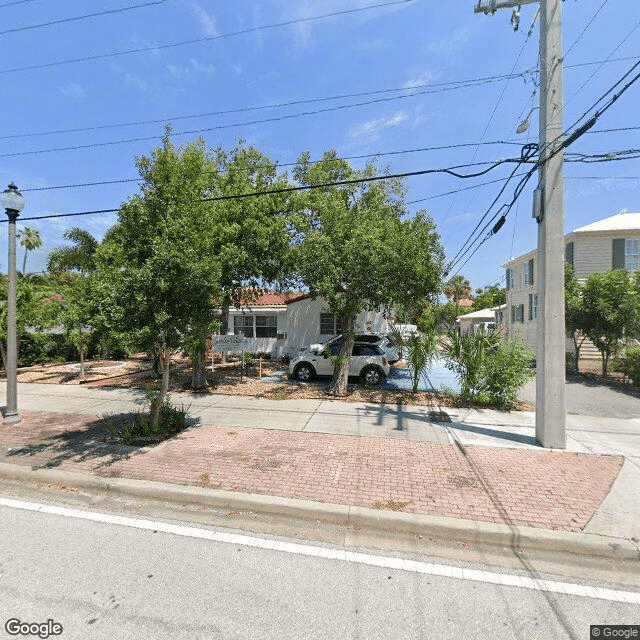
{"x":13,"y":202}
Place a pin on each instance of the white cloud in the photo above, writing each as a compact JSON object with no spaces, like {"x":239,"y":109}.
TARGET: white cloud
{"x":134,"y":81}
{"x":372,"y":128}
{"x":206,"y":20}
{"x":455,"y":42}
{"x":73,"y":90}
{"x":421,"y":79}
{"x":194,"y":66}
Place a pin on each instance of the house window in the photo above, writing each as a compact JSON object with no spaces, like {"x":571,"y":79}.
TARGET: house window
{"x":568,"y":253}
{"x":527,"y":272}
{"x":243,"y":325}
{"x":517,"y":313}
{"x":266,"y":326}
{"x":509,"y":279}
{"x":329,"y":326}
{"x":632,"y":254}
{"x":533,"y":306}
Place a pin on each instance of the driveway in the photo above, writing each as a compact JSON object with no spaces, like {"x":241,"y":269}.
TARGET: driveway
{"x":592,"y":398}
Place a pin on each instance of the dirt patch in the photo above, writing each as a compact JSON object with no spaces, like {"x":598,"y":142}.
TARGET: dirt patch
{"x":137,"y":372}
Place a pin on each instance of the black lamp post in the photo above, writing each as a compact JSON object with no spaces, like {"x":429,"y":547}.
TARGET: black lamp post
{"x":13,"y":203}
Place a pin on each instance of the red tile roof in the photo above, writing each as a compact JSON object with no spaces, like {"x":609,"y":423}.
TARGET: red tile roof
{"x":276,"y":299}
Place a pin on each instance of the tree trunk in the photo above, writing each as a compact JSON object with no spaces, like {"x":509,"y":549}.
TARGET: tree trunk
{"x":198,"y":380}
{"x":165,"y":361}
{"x":4,"y":357}
{"x":224,"y":327}
{"x":338,"y":386}
{"x":81,"y":349}
{"x":577,"y":348}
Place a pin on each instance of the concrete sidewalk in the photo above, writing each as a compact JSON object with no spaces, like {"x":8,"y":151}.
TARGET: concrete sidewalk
{"x":480,"y":473}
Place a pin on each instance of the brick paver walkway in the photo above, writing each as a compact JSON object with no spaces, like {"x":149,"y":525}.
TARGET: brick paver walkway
{"x":548,"y":489}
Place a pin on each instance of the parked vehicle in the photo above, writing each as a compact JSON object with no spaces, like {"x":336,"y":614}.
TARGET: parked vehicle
{"x":382,"y":340}
{"x":368,"y":362}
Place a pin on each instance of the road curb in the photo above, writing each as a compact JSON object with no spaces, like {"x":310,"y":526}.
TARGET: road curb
{"x":439,"y":527}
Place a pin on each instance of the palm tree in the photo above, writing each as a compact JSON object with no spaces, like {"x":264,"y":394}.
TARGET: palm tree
{"x":457,"y":288}
{"x":77,"y":257}
{"x":30,"y":239}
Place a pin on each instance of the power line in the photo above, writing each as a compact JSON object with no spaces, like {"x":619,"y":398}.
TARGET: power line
{"x":593,"y":17}
{"x":93,"y":145}
{"x":291,"y":164}
{"x":251,"y":194}
{"x":10,"y":4}
{"x":520,"y":187}
{"x":437,"y":86}
{"x":84,"y":17}
{"x":173,"y":45}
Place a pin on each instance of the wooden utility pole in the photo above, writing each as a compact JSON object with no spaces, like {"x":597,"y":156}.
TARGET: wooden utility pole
{"x":550,"y":359}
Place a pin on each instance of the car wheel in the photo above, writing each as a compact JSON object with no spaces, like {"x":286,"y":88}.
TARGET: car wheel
{"x":372,"y":376}
{"x":304,"y":372}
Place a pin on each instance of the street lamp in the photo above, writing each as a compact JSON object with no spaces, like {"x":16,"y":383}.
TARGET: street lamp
{"x":13,"y":203}
{"x":524,"y":125}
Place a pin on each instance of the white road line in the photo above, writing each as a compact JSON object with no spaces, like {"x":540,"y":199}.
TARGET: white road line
{"x":414,"y":566}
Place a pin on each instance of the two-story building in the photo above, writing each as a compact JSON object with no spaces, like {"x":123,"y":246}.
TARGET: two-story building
{"x":612,"y":243}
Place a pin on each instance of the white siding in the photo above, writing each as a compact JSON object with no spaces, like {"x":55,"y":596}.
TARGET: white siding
{"x":303,"y":323}
{"x":593,"y":252}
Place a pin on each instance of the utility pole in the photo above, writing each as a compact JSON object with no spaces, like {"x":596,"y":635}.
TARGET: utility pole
{"x":550,"y":363}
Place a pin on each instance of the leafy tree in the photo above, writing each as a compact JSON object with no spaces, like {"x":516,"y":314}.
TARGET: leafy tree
{"x":610,"y":311}
{"x":157,"y":268}
{"x":30,"y":239}
{"x":78,"y":256}
{"x":253,"y":240}
{"x":457,"y":288}
{"x":447,"y":314}
{"x":489,"y":297}
{"x":574,"y":311}
{"x":354,"y":247}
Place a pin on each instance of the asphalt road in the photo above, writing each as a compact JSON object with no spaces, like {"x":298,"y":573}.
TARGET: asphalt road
{"x":592,"y":398}
{"x":108,"y":580}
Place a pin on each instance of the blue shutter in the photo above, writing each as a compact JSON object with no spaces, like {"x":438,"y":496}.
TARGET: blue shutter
{"x":618,"y":253}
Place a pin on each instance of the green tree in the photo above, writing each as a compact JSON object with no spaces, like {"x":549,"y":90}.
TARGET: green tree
{"x":447,"y":314}
{"x":30,"y":239}
{"x":488,"y":297}
{"x":157,"y":269}
{"x":253,"y":239}
{"x":457,"y":288}
{"x":610,"y":311}
{"x":574,"y":311}
{"x":78,"y":256}
{"x":354,"y":247}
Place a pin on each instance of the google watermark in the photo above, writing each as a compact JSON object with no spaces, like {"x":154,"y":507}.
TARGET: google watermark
{"x":15,"y":627}
{"x":614,"y":631}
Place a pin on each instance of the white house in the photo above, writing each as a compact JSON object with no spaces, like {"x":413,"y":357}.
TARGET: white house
{"x":482,"y":320}
{"x":610,"y":243}
{"x":281,"y":324}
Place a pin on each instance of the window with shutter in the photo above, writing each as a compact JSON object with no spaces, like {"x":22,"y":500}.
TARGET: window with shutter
{"x":618,"y":253}
{"x":568,"y":253}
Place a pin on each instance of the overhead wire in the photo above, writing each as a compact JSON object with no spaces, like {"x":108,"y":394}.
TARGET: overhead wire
{"x":174,"y":45}
{"x":543,"y":158}
{"x":83,"y":17}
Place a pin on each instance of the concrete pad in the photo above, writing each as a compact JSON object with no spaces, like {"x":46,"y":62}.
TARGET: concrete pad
{"x":493,"y":435}
{"x":265,"y":404}
{"x":619,"y":513}
{"x":256,"y":419}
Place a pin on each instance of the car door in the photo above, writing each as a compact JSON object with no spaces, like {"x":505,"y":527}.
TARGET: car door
{"x":323,"y":363}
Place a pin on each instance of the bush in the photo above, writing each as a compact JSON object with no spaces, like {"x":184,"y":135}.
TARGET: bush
{"x":39,"y":348}
{"x":569,"y":361}
{"x":490,"y":371}
{"x":504,"y":371}
{"x":629,"y":364}
{"x":172,"y":420}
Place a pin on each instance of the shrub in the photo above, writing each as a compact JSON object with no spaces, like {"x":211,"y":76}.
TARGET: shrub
{"x":490,"y":371}
{"x":171,"y":420}
{"x":38,"y":348}
{"x":629,"y":364}
{"x":505,"y":370}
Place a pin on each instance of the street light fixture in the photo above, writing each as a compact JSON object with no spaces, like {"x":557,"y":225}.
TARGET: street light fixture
{"x":524,"y":125}
{"x":13,"y":202}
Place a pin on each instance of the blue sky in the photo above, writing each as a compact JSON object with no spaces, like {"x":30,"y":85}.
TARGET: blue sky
{"x":422,"y":59}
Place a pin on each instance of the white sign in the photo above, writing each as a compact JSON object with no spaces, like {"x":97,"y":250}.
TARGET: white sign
{"x":229,"y":343}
